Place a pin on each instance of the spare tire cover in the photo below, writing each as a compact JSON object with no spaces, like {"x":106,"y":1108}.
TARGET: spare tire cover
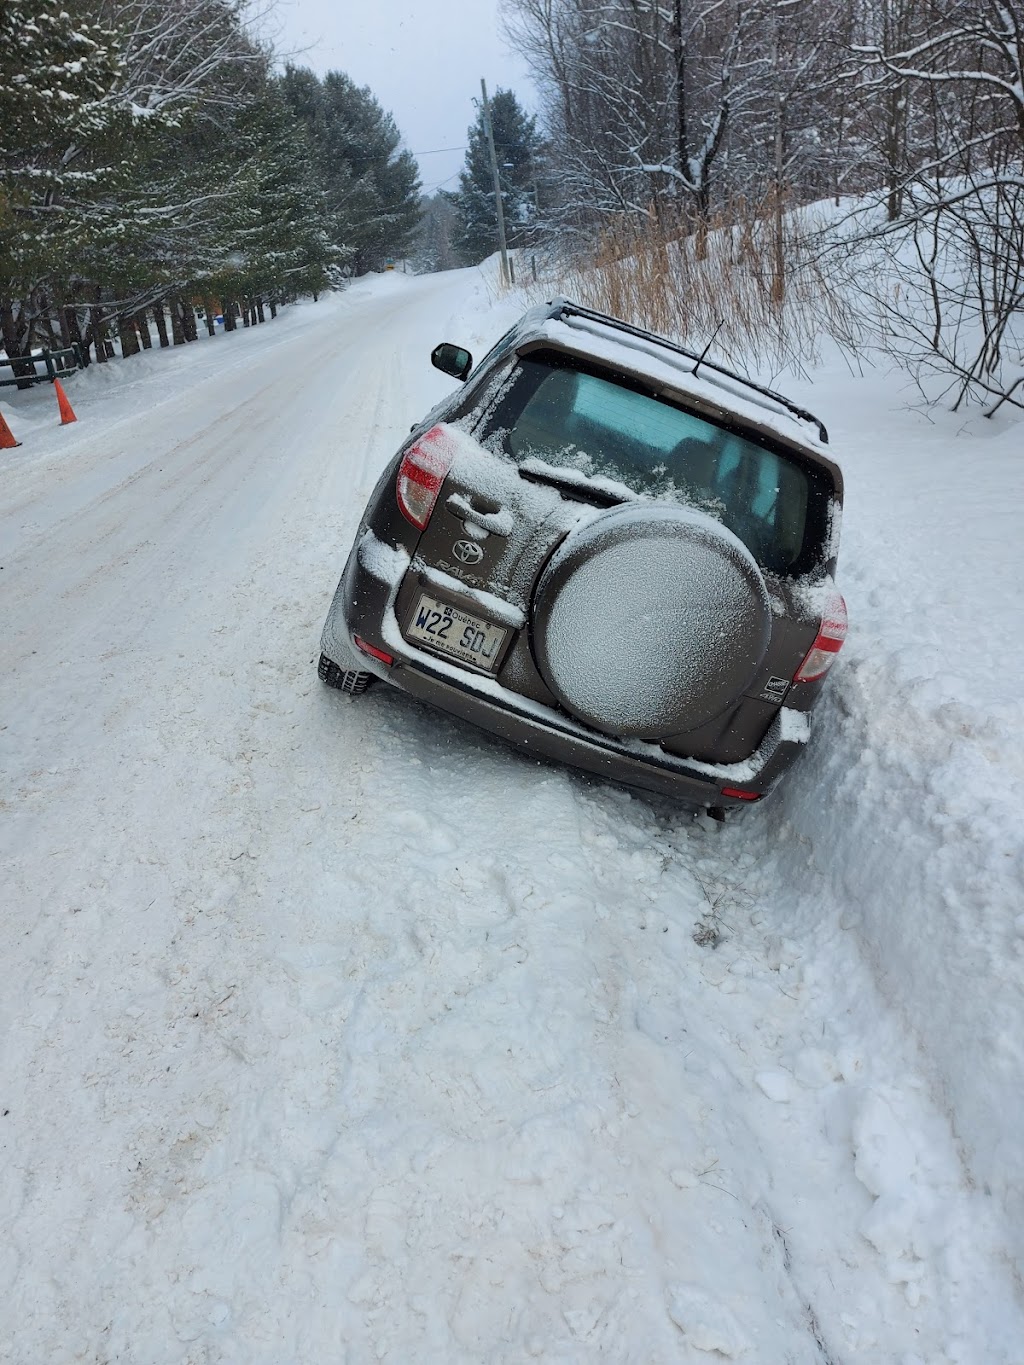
{"x":649,"y":620}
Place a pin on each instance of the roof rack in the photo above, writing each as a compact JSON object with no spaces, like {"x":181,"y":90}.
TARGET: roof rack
{"x":562,"y":308}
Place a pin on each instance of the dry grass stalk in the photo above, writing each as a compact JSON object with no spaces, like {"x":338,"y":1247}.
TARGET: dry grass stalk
{"x":724,"y":281}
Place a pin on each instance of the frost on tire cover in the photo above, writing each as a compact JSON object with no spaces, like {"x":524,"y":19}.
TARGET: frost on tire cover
{"x":649,"y":621}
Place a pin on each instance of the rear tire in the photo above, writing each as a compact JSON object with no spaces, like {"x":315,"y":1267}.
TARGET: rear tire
{"x":351,"y":680}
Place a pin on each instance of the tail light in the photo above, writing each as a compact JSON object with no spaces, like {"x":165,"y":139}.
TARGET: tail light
{"x":738,"y":794}
{"x":827,"y":643}
{"x":422,"y":472}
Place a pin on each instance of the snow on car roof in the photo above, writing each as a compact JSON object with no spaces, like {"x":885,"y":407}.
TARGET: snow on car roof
{"x":659,"y":364}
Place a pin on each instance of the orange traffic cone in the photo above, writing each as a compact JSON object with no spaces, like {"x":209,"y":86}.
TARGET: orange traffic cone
{"x":67,"y":412}
{"x":7,"y":441}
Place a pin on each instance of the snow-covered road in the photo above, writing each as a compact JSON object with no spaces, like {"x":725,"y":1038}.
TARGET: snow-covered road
{"x":332,"y":1032}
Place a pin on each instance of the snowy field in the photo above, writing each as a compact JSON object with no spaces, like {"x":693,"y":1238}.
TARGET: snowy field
{"x":332,"y":1032}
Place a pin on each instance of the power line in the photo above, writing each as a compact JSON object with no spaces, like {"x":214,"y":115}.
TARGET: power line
{"x":436,"y":185}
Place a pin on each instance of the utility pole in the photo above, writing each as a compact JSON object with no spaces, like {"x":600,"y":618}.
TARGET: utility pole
{"x":505,"y":274}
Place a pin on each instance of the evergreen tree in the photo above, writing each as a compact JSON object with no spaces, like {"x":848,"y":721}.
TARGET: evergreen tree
{"x":58,"y":158}
{"x":285,"y":243}
{"x":517,"y":147}
{"x":371,"y":188}
{"x":433,"y":249}
{"x":149,"y":158}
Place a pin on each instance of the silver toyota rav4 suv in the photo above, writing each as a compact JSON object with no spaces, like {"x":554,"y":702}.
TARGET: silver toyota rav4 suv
{"x":610,"y":551}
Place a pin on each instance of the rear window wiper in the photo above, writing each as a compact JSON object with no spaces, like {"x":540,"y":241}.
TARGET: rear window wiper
{"x":596,"y":492}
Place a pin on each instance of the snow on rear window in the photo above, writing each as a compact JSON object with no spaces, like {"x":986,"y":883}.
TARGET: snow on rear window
{"x":568,"y":417}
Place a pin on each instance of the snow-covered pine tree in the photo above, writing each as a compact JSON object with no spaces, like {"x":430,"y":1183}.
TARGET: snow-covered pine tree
{"x":517,"y":146}
{"x":371,"y":186}
{"x":280,"y":238}
{"x":57,"y":159}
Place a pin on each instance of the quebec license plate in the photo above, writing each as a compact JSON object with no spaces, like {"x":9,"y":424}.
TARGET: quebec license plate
{"x":452,"y":631}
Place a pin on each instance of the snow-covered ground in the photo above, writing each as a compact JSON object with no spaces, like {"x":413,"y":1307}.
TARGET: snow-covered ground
{"x":331,"y":1032}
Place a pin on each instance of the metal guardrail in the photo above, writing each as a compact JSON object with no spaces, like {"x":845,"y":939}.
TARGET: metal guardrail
{"x":57,"y":365}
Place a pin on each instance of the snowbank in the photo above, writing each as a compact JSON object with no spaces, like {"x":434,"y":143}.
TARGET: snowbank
{"x":906,"y":825}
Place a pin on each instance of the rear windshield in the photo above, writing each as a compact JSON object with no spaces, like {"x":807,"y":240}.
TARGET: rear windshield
{"x":777,"y":505}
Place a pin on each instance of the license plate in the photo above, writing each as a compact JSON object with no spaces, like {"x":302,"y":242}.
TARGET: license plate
{"x":452,"y":631}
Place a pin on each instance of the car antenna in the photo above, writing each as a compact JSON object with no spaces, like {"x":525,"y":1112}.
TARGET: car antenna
{"x":711,"y":341}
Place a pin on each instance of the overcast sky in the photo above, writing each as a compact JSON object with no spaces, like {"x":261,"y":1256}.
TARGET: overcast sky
{"x":422,"y":61}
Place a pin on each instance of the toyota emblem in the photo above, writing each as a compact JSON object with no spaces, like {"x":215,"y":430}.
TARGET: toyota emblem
{"x":467,"y":552}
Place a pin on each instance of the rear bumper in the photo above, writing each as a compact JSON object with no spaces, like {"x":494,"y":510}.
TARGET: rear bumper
{"x":636,"y":765}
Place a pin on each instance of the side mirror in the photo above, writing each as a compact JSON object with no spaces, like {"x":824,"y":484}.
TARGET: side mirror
{"x":453,"y":360}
